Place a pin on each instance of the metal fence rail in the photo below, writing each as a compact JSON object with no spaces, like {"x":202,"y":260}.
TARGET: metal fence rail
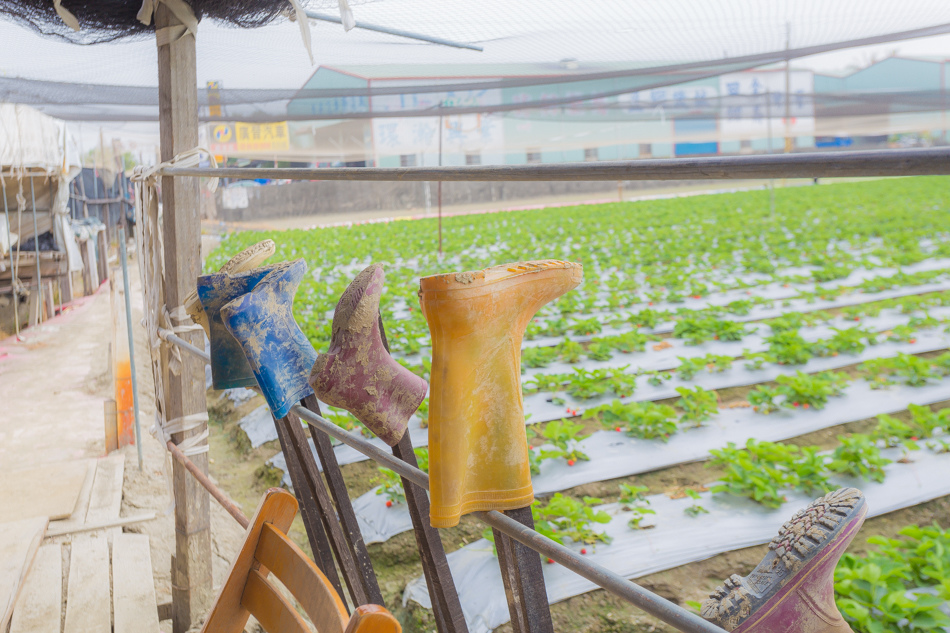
{"x":868,"y":163}
{"x":651,"y":603}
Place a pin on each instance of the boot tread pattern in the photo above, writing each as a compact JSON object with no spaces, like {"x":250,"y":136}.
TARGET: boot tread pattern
{"x":800,"y":537}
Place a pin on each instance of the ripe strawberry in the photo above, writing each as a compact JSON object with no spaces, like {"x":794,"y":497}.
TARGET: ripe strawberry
{"x":617,"y":429}
{"x":794,"y":404}
{"x":389,"y":504}
{"x":805,"y":406}
{"x":583,"y":550}
{"x":550,"y":561}
{"x":912,"y":341}
{"x":570,"y":462}
{"x":914,"y":438}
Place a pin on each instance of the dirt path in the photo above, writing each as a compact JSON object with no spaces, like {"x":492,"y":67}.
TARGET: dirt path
{"x":52,"y":386}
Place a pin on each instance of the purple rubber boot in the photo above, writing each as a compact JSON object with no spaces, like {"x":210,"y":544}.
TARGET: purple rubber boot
{"x":357,"y":373}
{"x":792,"y":589}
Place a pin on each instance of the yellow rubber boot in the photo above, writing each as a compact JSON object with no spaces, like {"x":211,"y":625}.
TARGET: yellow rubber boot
{"x":478,"y":451}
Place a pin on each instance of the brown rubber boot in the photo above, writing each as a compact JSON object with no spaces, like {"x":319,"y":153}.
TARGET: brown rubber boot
{"x":792,"y":589}
{"x":250,"y":257}
{"x":478,"y":452}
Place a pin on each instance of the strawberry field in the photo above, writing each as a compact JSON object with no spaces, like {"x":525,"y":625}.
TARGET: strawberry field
{"x":722,"y":364}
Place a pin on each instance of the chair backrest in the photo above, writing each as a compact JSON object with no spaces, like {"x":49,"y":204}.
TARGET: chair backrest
{"x":267,"y":550}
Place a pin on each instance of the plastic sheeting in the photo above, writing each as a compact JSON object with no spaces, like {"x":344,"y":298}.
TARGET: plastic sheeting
{"x":540,"y":407}
{"x":614,"y":454}
{"x":678,"y":539}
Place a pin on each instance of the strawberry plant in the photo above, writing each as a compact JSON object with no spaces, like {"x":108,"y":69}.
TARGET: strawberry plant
{"x":390,"y":484}
{"x":810,"y":390}
{"x":858,"y":456}
{"x":846,"y":341}
{"x":762,"y":399}
{"x":586,"y":383}
{"x":760,"y":472}
{"x":789,"y":348}
{"x":565,"y":518}
{"x":622,"y":383}
{"x":629,"y":342}
{"x":689,"y":367}
{"x":648,"y":317}
{"x":913,"y":370}
{"x":570,"y":351}
{"x":697,"y":404}
{"x":632,"y":495}
{"x":555,"y":327}
{"x":656,"y":378}
{"x":926,"y":421}
{"x":902,"y":334}
{"x":643,"y":420}
{"x":876,"y":592}
{"x":538,"y":356}
{"x":565,"y":436}
{"x":892,"y":432}
{"x":545,"y":382}
{"x":694,"y":510}
{"x":600,"y":350}
{"x":584,"y":327}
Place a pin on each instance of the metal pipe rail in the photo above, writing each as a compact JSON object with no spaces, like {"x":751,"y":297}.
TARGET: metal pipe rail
{"x":651,"y":603}
{"x":868,"y":163}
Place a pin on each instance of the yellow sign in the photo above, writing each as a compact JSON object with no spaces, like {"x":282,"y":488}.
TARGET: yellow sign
{"x":262,"y":136}
{"x":223,"y":134}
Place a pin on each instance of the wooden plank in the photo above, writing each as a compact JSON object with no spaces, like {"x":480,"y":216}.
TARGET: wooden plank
{"x":435,"y":567}
{"x":523,"y":579}
{"x":19,"y":541}
{"x":326,"y":511}
{"x":192,"y":588}
{"x":39,"y":608}
{"x":61,"y":484}
{"x":56,"y":529}
{"x":78,"y":517}
{"x":88,"y":607}
{"x":344,"y":507}
{"x":105,"y":500}
{"x":316,"y":532}
{"x":133,"y":588}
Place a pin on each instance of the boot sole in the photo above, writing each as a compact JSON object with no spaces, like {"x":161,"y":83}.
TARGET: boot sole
{"x":796,"y":547}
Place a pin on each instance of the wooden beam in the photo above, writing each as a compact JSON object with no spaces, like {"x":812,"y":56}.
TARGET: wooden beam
{"x":523,"y":579}
{"x":192,"y":590}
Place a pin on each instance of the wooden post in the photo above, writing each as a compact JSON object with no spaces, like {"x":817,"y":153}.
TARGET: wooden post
{"x":103,"y":243}
{"x":344,"y":507}
{"x":192,"y":590}
{"x":523,"y":579}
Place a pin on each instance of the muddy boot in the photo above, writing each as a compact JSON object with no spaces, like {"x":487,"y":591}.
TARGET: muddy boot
{"x":792,"y":589}
{"x":229,"y":366}
{"x":250,"y":257}
{"x":478,"y":450}
{"x":357,"y":373}
{"x":263,"y":323}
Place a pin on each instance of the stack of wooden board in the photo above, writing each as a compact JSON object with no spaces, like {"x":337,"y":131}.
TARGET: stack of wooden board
{"x":109,"y":584}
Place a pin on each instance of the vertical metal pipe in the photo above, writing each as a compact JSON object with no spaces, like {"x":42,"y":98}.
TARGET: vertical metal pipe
{"x":36,"y":251}
{"x":13,"y":267}
{"x":128,"y":324}
{"x":440,"y":182}
{"x":768,"y":116}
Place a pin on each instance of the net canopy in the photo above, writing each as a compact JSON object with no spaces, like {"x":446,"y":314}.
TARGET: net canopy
{"x":621,"y":45}
{"x":509,"y":78}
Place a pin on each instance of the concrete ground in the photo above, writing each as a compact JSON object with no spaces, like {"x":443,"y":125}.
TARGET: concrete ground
{"x":53,"y":383}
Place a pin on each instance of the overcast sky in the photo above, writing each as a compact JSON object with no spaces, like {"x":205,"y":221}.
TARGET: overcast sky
{"x":537,"y":31}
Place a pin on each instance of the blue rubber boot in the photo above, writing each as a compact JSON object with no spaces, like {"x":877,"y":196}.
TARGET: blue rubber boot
{"x":229,"y":366}
{"x":263,"y":323}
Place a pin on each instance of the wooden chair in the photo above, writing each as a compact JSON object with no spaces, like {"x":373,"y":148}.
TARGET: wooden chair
{"x":268,"y":550}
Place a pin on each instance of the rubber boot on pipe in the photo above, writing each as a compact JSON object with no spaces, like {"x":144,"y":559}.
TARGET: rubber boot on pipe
{"x":357,"y":373}
{"x":263,"y":323}
{"x":229,"y":366}
{"x":478,"y":451}
{"x":250,"y":257}
{"x":792,"y":589}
